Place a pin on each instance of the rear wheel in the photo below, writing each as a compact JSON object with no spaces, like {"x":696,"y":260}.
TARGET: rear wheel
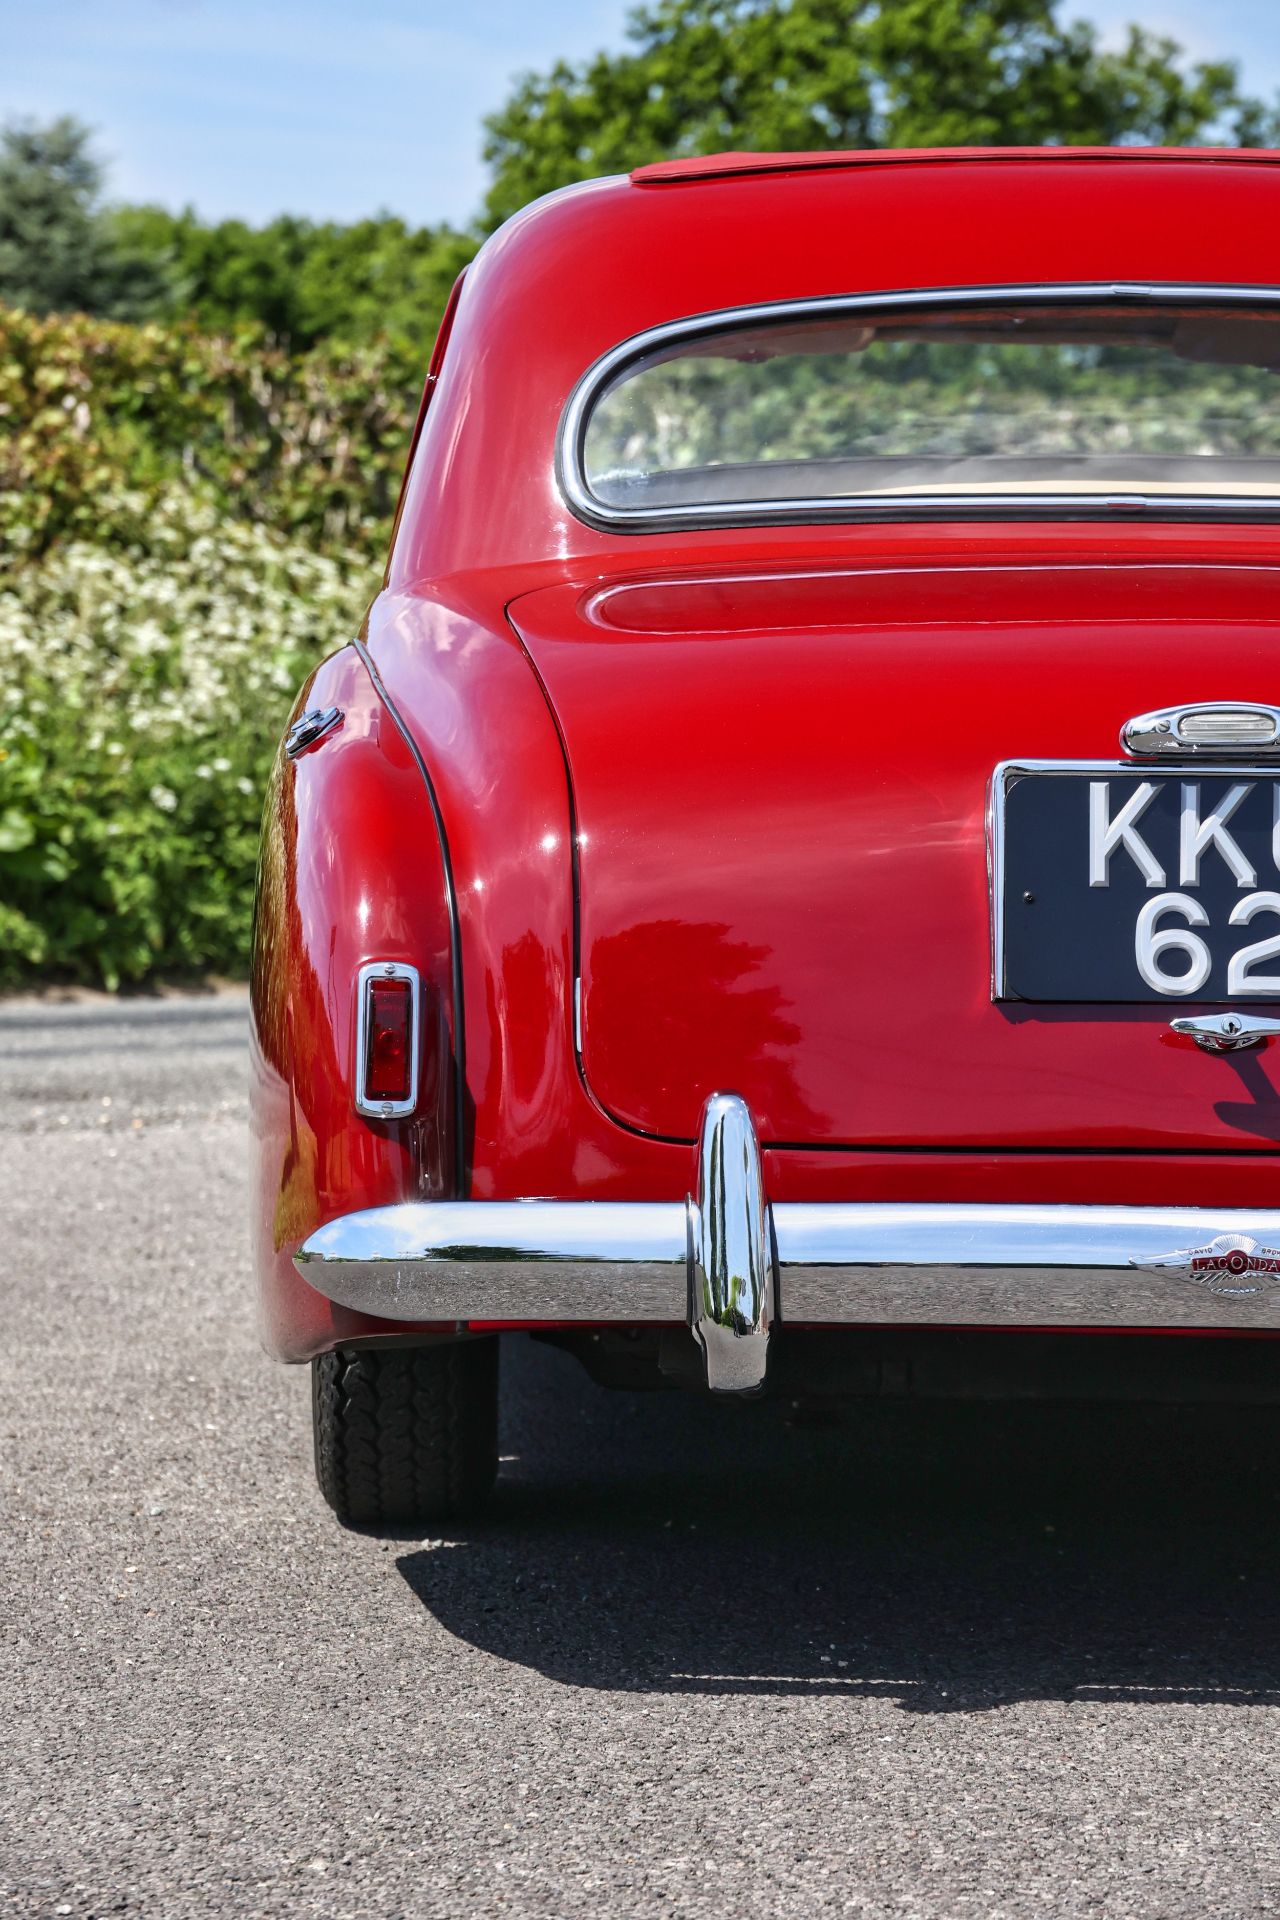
{"x":406,"y":1435}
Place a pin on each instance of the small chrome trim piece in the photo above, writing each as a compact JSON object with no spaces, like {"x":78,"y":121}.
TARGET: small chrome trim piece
{"x":1226,"y":1032}
{"x":732,"y":1266}
{"x":387,"y":970}
{"x":731,"y":1285}
{"x":310,"y":727}
{"x":1008,"y":770}
{"x":586,"y":506}
{"x":1172,"y":731}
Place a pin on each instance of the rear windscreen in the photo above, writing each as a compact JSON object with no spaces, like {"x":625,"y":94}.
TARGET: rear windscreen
{"x":1003,"y":402}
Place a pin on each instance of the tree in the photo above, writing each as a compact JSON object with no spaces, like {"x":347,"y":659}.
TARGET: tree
{"x":62,"y":250}
{"x":303,"y":281}
{"x":51,"y":248}
{"x":59,"y":251}
{"x":696,"y":76}
{"x":699,"y":76}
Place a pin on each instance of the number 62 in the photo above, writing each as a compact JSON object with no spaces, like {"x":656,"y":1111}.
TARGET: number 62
{"x":1152,"y":942}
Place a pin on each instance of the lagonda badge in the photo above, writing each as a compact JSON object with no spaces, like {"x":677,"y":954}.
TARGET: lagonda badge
{"x":1232,"y":1265}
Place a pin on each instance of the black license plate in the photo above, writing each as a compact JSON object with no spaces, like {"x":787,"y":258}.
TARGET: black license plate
{"x":1114,"y":883}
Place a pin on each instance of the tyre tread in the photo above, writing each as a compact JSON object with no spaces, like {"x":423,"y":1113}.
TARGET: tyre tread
{"x":406,"y":1435}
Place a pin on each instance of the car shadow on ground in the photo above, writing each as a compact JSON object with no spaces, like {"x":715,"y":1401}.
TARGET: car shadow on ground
{"x":946,"y":1557}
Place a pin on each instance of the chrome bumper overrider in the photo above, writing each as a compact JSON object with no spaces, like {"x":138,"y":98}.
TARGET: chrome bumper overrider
{"x":731,"y":1265}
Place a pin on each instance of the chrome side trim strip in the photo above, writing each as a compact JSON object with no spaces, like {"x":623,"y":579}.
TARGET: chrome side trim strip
{"x":731,"y":1289}
{"x":586,"y":506}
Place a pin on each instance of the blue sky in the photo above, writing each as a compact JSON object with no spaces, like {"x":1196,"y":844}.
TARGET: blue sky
{"x":336,"y":108}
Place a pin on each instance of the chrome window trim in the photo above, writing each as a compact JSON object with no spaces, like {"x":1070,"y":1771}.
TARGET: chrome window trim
{"x":387,"y":970}
{"x":586,"y":506}
{"x":1005,"y":769}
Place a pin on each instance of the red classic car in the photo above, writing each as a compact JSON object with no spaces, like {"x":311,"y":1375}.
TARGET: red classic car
{"x":788,"y":877}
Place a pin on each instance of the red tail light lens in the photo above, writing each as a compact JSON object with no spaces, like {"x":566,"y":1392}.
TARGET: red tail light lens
{"x":387,"y":1040}
{"x":386,"y":1074}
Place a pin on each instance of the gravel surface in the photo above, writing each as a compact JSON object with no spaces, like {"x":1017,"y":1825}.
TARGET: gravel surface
{"x":697,"y":1660}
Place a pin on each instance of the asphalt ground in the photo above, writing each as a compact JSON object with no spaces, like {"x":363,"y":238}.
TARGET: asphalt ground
{"x":696,"y":1660}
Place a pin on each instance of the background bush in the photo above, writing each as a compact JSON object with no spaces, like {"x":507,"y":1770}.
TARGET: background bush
{"x":99,"y":420}
{"x":187,"y":525}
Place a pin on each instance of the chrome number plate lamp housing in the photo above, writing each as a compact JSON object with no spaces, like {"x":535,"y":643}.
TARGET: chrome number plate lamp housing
{"x":1205,"y":730}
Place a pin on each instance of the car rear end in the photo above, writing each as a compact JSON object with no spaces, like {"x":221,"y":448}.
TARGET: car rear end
{"x":869,"y":919}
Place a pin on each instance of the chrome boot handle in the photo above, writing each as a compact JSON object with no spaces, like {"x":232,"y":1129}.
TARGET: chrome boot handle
{"x":1227,"y":1032}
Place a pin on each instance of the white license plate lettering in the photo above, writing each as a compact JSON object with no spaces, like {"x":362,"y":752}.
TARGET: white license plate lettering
{"x":1163,"y":935}
{"x":1174,"y":960}
{"x":1137,"y":884}
{"x":1241,"y":977}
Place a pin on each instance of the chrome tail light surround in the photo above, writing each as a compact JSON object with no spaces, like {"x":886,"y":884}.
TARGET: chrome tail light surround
{"x":374,"y":1107}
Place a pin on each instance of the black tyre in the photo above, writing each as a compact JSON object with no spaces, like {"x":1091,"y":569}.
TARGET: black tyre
{"x":406,"y":1435}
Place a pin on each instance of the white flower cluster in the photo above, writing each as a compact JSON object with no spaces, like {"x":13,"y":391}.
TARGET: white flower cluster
{"x":205,"y":635}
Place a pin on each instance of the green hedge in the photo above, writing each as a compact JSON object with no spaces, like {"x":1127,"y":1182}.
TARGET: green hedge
{"x":186,"y":526}
{"x":98,"y":420}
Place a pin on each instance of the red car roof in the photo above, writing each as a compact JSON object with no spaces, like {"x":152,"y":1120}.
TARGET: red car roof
{"x":583,"y":269}
{"x":710,"y":166}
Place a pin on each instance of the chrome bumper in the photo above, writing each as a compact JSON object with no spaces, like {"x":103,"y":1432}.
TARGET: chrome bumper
{"x":731,"y":1265}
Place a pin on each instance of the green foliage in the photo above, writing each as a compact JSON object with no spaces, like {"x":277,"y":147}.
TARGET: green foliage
{"x":142,"y":695}
{"x":188,"y":524}
{"x":50,"y":250}
{"x":300,"y":281}
{"x":97,"y":420}
{"x":700,"y":76}
{"x":57,"y":251}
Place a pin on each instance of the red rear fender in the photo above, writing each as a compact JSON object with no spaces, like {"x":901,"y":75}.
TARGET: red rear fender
{"x":350,"y":871}
{"x":463,"y":684}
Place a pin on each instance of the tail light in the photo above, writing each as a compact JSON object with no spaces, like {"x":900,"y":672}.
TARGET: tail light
{"x":387,"y":1042}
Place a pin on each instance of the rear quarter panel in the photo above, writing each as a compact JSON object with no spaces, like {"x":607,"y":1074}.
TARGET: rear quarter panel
{"x":350,"y":871}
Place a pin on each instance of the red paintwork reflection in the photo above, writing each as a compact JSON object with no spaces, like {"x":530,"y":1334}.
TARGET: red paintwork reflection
{"x":463,"y":684}
{"x":781,"y":788}
{"x":535,"y":1130}
{"x":349,"y":873}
